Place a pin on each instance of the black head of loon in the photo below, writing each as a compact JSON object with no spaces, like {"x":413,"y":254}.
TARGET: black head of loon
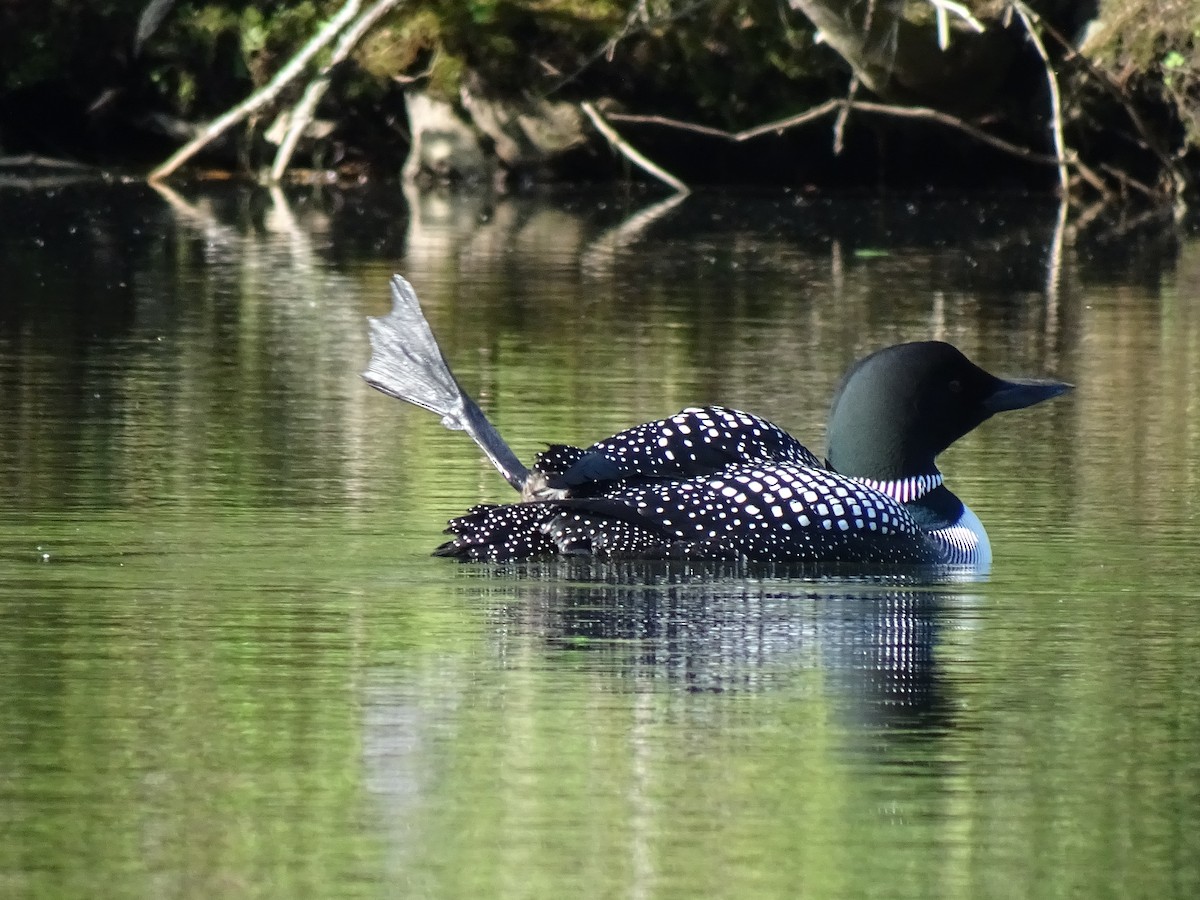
{"x":898,"y":408}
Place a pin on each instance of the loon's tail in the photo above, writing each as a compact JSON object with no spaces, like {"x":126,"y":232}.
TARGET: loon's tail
{"x":407,"y":363}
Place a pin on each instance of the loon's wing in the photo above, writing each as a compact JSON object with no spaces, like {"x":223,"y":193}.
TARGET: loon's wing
{"x":761,"y":512}
{"x":573,"y":468}
{"x":695,"y":441}
{"x":407,"y":363}
{"x":538,"y":528}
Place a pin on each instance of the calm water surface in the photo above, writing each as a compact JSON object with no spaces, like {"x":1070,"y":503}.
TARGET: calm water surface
{"x":229,"y":667}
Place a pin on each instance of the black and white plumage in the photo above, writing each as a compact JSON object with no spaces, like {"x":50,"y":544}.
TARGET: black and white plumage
{"x":716,"y":483}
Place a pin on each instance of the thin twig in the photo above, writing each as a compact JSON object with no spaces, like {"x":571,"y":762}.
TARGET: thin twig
{"x":935,"y":115}
{"x":1090,"y":176}
{"x":942,"y":7}
{"x":883,"y":109}
{"x":633,"y":155}
{"x":306,"y":107}
{"x":776,"y":127}
{"x":33,"y":161}
{"x":413,"y":79}
{"x":677,"y":124}
{"x":843,"y":116}
{"x":1129,"y":181}
{"x":1060,"y":144}
{"x":608,"y":48}
{"x":781,"y":125}
{"x":263,"y":96}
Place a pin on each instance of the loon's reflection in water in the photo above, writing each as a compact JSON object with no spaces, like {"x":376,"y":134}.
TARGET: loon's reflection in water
{"x":853,"y":666}
{"x":874,"y":638}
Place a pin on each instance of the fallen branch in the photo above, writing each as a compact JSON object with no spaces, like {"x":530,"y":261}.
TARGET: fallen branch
{"x":1065,"y":159}
{"x":823,"y":109}
{"x":306,"y":107}
{"x":776,"y":127}
{"x":263,"y":96}
{"x":629,"y":152}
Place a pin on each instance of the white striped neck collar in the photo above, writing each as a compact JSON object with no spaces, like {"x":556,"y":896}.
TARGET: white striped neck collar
{"x":906,"y":490}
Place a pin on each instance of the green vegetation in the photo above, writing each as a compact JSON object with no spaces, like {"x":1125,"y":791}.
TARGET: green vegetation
{"x":125,"y":81}
{"x":1154,"y":45}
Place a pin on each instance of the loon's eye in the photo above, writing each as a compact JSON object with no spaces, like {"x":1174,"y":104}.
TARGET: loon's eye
{"x":955,"y":386}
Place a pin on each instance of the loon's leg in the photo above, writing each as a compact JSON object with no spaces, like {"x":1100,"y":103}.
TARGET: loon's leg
{"x":407,"y":363}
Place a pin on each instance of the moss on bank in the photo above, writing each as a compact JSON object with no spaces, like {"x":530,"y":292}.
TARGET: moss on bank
{"x":1153,"y":47}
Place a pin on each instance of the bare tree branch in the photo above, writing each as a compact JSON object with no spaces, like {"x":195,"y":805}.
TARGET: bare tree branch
{"x":776,"y":127}
{"x":306,"y":108}
{"x":263,"y":96}
{"x":33,"y":161}
{"x":816,"y":112}
{"x":1060,"y":144}
{"x":633,"y":155}
{"x":843,"y":116}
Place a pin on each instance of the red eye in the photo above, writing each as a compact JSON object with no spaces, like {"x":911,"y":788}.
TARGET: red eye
{"x":955,"y":386}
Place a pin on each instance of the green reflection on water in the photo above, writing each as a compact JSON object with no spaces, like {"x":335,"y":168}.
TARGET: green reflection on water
{"x":179,"y":712}
{"x":227,"y":665}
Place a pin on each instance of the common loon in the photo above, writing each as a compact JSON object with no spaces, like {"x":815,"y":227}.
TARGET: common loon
{"x":717,"y":483}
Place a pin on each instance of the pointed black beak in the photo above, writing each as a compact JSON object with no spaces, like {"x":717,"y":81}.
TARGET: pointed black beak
{"x":1018,"y":393}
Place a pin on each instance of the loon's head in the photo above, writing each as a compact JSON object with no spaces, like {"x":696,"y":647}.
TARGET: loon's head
{"x":898,"y":408}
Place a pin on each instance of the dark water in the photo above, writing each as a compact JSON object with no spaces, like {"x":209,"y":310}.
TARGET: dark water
{"x":229,"y":667}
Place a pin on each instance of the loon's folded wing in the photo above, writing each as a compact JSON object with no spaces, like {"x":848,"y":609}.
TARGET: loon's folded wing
{"x":695,"y":441}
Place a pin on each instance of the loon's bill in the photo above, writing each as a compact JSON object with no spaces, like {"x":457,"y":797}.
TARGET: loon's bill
{"x":721,"y":484}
